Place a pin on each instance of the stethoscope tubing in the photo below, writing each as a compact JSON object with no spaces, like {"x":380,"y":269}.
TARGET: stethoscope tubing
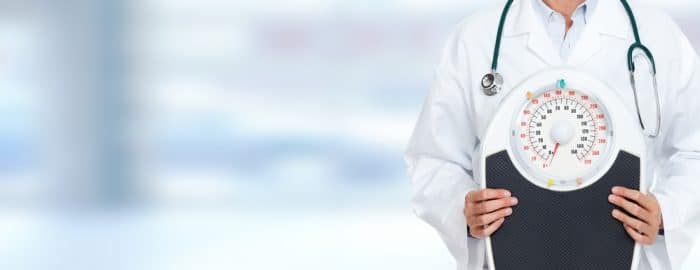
{"x":492,"y":86}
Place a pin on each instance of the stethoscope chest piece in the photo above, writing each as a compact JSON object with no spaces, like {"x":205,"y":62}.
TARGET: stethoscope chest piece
{"x":492,"y":83}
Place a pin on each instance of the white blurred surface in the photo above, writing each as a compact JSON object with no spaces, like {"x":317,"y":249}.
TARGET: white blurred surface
{"x":218,"y":240}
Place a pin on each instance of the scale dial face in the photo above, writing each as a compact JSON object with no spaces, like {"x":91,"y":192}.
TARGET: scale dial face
{"x":562,"y":136}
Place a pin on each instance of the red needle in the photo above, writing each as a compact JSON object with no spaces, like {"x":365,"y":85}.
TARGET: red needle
{"x":556,"y":147}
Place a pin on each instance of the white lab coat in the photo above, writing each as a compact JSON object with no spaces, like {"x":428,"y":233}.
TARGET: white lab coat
{"x":456,"y":114}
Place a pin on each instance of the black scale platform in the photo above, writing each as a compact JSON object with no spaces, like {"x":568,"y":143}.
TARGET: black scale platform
{"x":562,"y":230}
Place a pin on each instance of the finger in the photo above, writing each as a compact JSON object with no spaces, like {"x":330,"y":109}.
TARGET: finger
{"x":632,"y":208}
{"x":638,"y":237}
{"x":477,"y":232}
{"x":636,"y":224}
{"x":636,"y":196}
{"x":494,"y":226}
{"x":487,"y":194}
{"x":493,"y":205}
{"x":481,"y":231}
{"x":491,"y":217}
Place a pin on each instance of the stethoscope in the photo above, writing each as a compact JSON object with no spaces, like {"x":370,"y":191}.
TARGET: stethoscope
{"x":492,"y":82}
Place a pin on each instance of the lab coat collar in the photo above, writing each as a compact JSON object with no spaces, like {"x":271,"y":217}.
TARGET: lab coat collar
{"x":608,"y":18}
{"x":611,"y":19}
{"x":523,"y":20}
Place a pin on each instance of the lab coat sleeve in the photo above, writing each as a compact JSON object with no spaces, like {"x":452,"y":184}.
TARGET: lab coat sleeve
{"x":678,"y":185}
{"x":439,"y":154}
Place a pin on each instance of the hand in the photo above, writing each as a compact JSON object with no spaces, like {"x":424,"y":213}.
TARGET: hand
{"x":645,"y":220}
{"x":486,"y":209}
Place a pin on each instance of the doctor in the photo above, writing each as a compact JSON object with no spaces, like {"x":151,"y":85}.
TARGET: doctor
{"x":592,"y":36}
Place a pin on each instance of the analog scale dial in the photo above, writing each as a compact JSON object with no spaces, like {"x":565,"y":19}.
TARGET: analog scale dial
{"x":561,"y":135}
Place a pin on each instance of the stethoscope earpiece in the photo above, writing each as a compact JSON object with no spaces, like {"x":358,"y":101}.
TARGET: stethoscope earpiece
{"x":492,"y":83}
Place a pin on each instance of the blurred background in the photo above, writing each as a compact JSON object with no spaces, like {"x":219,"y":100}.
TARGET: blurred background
{"x":176,"y":134}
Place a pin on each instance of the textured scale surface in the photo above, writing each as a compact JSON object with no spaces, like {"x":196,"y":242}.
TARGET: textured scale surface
{"x":562,"y":230}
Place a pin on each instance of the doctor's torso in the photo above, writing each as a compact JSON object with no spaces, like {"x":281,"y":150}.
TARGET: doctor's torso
{"x":601,"y":51}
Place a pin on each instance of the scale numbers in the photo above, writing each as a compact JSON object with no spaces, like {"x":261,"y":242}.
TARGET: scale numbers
{"x":561,"y":134}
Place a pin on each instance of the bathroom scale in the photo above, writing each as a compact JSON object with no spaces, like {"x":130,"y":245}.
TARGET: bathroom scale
{"x":559,"y":142}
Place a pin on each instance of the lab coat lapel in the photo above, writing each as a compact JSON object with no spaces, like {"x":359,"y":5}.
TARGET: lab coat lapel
{"x":608,"y":18}
{"x":586,"y":47}
{"x":538,"y":42}
{"x":541,"y":44}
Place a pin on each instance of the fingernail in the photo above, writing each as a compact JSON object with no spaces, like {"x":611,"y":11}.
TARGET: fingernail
{"x":615,"y":213}
{"x":611,"y":198}
{"x":506,"y":193}
{"x":615,"y":189}
{"x":514,"y":200}
{"x":509,"y":211}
